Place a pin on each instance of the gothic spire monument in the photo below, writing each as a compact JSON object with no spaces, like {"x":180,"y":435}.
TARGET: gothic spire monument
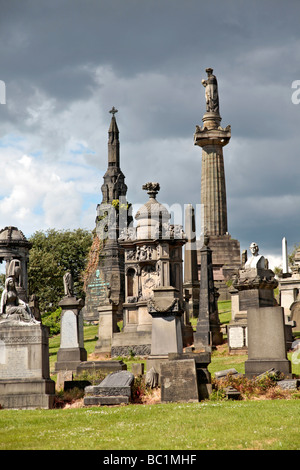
{"x":105,"y":271}
{"x":114,"y":186}
{"x":211,"y":137}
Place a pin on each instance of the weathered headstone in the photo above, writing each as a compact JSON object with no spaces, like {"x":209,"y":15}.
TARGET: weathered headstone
{"x":185,"y":378}
{"x":266,"y":341}
{"x":115,"y":389}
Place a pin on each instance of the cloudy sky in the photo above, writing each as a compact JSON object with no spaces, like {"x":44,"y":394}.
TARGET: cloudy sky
{"x":65,"y":63}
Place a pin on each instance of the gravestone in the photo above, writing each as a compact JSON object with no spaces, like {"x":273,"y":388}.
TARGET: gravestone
{"x":185,"y":378}
{"x":266,"y":341}
{"x":71,"y":351}
{"x":179,"y":381}
{"x":115,"y":389}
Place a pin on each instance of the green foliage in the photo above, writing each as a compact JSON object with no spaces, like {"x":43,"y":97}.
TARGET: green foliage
{"x":2,"y":283}
{"x":52,"y":254}
{"x":264,"y":386}
{"x":52,"y":320}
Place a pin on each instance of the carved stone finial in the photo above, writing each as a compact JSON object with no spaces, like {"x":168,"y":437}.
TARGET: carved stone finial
{"x":152,"y":189}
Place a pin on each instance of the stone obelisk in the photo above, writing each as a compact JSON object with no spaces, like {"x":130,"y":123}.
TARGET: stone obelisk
{"x":208,"y":332}
{"x":212,"y":138}
{"x":191,"y":281}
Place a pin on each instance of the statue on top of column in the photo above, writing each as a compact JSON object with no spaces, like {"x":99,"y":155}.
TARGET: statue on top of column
{"x":211,"y":92}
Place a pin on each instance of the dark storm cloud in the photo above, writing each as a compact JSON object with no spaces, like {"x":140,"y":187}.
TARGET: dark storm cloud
{"x":148,"y":58}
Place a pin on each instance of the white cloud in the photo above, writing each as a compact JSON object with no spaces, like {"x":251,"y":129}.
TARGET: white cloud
{"x":37,"y":197}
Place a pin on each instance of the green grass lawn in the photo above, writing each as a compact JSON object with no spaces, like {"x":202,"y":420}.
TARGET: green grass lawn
{"x":208,"y":425}
{"x":228,"y":425}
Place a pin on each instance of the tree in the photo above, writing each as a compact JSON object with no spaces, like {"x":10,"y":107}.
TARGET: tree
{"x":52,"y":254}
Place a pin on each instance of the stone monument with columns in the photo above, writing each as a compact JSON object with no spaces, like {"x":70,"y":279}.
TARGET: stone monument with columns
{"x":212,"y":138}
{"x":153,"y":260}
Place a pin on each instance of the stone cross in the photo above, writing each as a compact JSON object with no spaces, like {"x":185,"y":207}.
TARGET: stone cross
{"x":113,"y":111}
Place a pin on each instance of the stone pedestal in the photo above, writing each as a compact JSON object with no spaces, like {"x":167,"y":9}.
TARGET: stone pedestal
{"x":253,"y":287}
{"x":71,"y":351}
{"x":24,"y":367}
{"x":166,"y":311}
{"x":266,"y":341}
{"x":136,"y":335}
{"x":107,"y":326}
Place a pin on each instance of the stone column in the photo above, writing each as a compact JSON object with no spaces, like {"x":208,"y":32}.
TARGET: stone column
{"x":212,"y":138}
{"x":213,"y":190}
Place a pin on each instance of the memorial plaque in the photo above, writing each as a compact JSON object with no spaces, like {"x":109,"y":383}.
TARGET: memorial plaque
{"x":236,"y":337}
{"x":179,"y":381}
